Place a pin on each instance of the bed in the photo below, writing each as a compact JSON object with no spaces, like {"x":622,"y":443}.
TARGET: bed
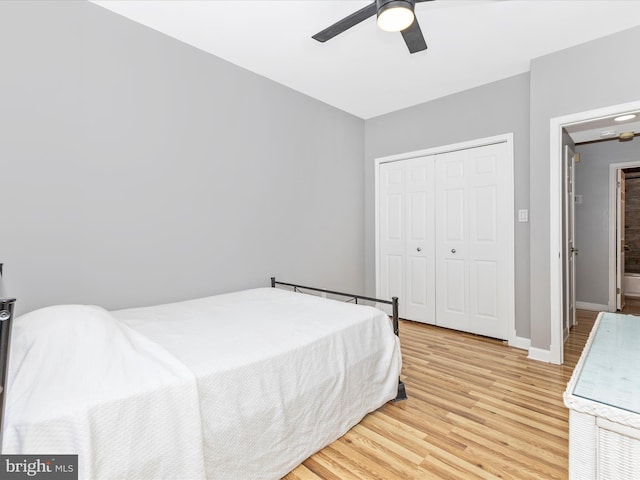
{"x":241,"y":385}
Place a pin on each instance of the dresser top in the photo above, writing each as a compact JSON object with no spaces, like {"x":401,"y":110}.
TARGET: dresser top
{"x":610,"y":373}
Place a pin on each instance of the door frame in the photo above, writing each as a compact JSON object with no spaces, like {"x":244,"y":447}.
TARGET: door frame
{"x":556,"y":257}
{"x":613,"y":225}
{"x":480,"y":142}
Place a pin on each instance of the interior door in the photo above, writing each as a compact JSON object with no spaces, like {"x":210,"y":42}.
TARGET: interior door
{"x":472,"y":240}
{"x":392,"y":232}
{"x":419,"y":287}
{"x":620,"y":240}
{"x":452,"y":290}
{"x":406,"y":236}
{"x":570,"y":241}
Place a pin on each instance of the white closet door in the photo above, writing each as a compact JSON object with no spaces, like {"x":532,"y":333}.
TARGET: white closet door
{"x":419,"y":291}
{"x":392,"y":232}
{"x":452,"y":289}
{"x":407,"y":241}
{"x":472,"y":216}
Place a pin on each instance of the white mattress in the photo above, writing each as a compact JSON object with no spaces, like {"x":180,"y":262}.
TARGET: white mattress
{"x":274,"y":375}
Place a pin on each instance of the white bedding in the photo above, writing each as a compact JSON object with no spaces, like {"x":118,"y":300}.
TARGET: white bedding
{"x":80,"y":382}
{"x":274,"y":377}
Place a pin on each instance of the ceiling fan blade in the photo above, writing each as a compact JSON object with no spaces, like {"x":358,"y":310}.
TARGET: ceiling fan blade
{"x":420,"y":1}
{"x":346,"y":23}
{"x":413,"y":38}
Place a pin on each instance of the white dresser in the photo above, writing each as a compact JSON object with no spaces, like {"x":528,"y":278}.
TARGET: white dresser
{"x":603,"y":397}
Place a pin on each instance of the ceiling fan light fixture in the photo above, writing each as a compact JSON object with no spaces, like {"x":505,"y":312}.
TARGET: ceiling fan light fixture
{"x":623,"y":118}
{"x":395,"y":15}
{"x":626,"y":136}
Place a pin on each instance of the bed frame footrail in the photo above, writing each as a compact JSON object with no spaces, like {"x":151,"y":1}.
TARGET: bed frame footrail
{"x":402,"y":392}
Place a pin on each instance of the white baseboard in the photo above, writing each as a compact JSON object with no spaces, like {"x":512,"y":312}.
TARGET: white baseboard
{"x":520,"y":342}
{"x":596,"y":307}
{"x":539,"y":354}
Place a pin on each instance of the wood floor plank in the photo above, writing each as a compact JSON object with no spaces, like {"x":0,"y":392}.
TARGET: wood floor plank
{"x":516,"y":446}
{"x":330,"y":467}
{"x":477,"y":409}
{"x":441,"y":469}
{"x":303,"y":473}
{"x":376,"y":467}
{"x":388,"y":444}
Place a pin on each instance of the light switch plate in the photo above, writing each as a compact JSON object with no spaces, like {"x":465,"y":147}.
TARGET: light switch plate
{"x":523,"y":215}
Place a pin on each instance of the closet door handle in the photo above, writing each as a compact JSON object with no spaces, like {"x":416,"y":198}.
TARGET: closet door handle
{"x":419,"y":249}
{"x":453,"y":250}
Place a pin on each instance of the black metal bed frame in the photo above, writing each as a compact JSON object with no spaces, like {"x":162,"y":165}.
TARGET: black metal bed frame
{"x":402,"y":392}
{"x":6,"y":317}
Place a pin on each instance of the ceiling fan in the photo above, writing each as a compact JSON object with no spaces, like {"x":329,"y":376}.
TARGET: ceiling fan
{"x":393,"y":16}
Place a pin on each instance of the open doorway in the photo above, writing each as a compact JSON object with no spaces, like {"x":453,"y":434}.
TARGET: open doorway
{"x":583,"y":121}
{"x":630,"y":238}
{"x":624,"y":233}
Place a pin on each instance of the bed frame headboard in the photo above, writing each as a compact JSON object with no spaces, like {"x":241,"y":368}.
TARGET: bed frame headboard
{"x":402,"y":392}
{"x":6,"y":317}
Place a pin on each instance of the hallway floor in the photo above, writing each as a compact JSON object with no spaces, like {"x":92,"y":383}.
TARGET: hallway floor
{"x":632,"y":306}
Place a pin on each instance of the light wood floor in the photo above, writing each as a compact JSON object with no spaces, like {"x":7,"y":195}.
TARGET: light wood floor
{"x":632,"y":306}
{"x":476,"y":409}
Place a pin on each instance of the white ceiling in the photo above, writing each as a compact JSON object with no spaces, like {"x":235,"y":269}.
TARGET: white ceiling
{"x":367,"y":72}
{"x":603,"y":129}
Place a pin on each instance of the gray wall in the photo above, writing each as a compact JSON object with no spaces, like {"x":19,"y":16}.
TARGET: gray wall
{"x":588,"y":76}
{"x":138,"y":170}
{"x":492,"y":109}
{"x":592,"y":216}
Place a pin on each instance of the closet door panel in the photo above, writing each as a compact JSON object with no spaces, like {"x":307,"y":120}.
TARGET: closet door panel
{"x":484,"y":222}
{"x":454,"y":215}
{"x":470,"y":227}
{"x":451,"y":227}
{"x":416,"y":254}
{"x":487,"y":241}
{"x":394,"y":270}
{"x":419,"y":245}
{"x":391,"y":231}
{"x":453,"y":300}
{"x":485,"y":277}
{"x":416,"y":297}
